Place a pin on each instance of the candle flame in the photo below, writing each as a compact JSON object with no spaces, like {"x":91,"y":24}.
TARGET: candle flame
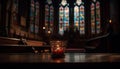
{"x":110,"y":21}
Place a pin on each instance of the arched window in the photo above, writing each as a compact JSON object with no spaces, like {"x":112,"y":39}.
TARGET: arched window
{"x":79,"y":17}
{"x":15,"y":12}
{"x":32,"y":15}
{"x":95,"y":17}
{"x":63,"y":17}
{"x":49,"y":17}
{"x":37,"y":17}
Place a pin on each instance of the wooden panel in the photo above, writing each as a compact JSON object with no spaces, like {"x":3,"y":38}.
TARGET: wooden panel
{"x":34,"y":43}
{"x":4,"y":40}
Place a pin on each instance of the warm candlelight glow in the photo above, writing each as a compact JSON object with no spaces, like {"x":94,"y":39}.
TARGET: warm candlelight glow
{"x":110,"y":21}
{"x":57,"y":48}
{"x":43,"y":27}
{"x":57,"y":45}
{"x":49,"y":32}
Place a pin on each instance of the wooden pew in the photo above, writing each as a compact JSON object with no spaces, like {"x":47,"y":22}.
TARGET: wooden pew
{"x":15,"y":49}
{"x":10,"y":41}
{"x":14,"y":41}
{"x":24,"y":49}
{"x":35,"y":43}
{"x":10,"y":45}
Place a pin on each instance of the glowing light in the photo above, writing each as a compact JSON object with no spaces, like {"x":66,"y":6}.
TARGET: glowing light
{"x":78,"y":2}
{"x":64,"y":2}
{"x":43,"y":27}
{"x":110,"y":21}
{"x":49,"y":32}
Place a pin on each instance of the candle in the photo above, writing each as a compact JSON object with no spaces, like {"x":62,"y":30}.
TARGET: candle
{"x":57,"y":49}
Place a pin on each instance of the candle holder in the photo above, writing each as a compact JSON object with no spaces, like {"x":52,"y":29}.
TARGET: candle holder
{"x":57,"y":49}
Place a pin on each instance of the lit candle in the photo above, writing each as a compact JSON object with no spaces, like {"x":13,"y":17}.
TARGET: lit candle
{"x":110,"y":21}
{"x":57,"y":49}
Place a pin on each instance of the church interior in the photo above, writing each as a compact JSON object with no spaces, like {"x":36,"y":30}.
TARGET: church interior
{"x":81,"y":26}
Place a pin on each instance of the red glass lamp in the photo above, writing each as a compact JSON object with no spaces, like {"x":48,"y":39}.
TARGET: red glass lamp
{"x":57,"y":49}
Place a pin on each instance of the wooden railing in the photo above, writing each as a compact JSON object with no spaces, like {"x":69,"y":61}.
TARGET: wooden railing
{"x":14,"y":41}
{"x":97,"y":44}
{"x":10,"y":45}
{"x":99,"y":37}
{"x":10,"y":41}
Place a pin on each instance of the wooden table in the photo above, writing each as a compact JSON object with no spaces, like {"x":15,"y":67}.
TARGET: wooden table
{"x":70,"y":60}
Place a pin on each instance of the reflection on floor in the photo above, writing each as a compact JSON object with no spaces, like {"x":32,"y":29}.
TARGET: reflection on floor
{"x":69,"y":58}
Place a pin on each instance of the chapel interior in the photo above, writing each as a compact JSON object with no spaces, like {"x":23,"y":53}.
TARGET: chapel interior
{"x":85,"y":26}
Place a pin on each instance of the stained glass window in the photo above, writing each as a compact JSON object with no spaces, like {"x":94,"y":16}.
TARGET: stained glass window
{"x":82,"y":20}
{"x":37,"y":17}
{"x":79,"y":17}
{"x":63,"y":17}
{"x":61,"y":30}
{"x":66,"y":18}
{"x":49,"y":16}
{"x":32,"y":15}
{"x":32,"y":27}
{"x":46,"y":17}
{"x":92,"y":18}
{"x":95,"y":17}
{"x":76,"y":18}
